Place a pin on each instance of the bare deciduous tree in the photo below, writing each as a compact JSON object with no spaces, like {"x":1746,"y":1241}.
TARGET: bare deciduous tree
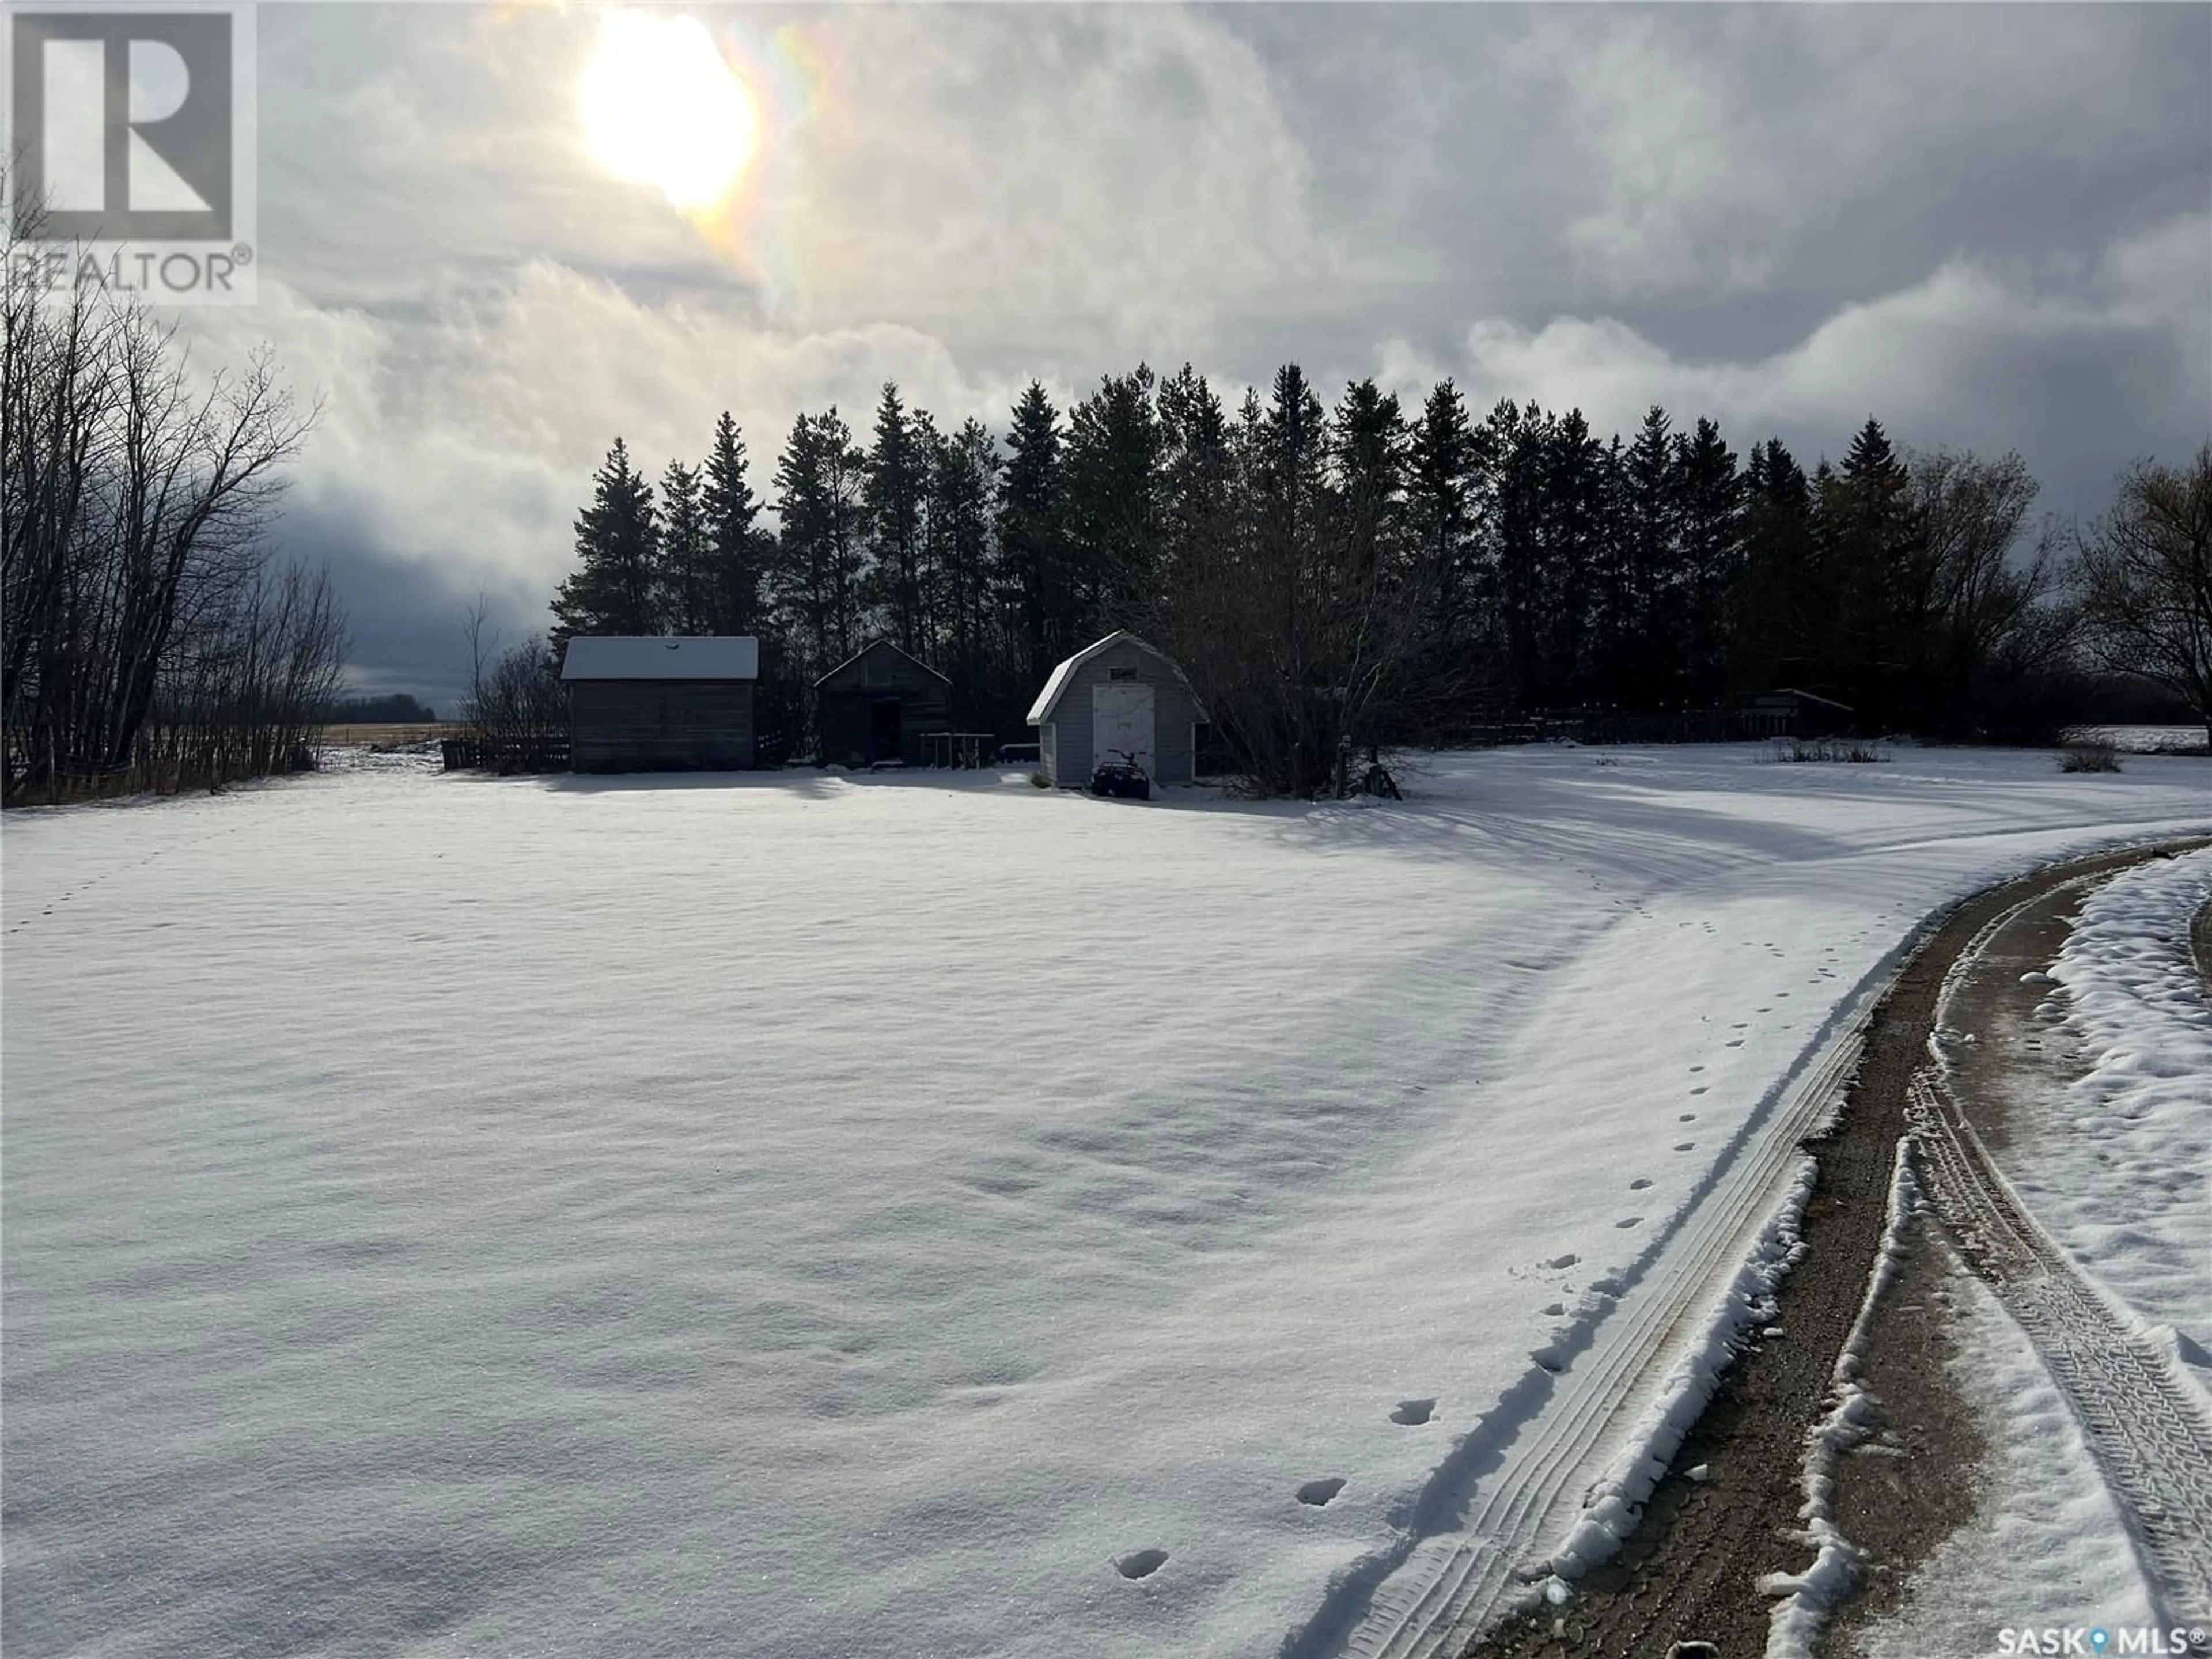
{"x":150,"y":641}
{"x":2144,"y":575}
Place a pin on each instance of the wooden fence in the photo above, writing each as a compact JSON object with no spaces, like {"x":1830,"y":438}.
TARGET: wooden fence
{"x":549,"y":753}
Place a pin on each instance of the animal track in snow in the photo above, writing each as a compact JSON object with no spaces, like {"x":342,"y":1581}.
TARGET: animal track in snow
{"x":1318,"y":1492}
{"x":1139,"y":1564}
{"x":1414,"y":1412}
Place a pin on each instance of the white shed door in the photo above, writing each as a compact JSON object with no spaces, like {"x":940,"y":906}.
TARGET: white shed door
{"x":1122,"y":723}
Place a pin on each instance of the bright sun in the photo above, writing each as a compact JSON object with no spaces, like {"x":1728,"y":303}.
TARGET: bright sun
{"x":662,"y":108}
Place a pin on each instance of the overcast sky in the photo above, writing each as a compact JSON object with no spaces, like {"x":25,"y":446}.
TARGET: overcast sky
{"x":1990,"y":226}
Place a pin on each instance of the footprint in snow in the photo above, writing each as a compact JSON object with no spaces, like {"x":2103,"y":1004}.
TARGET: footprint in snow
{"x":1686,"y":1145}
{"x":1687,"y":1117}
{"x":1553,"y":1309}
{"x":1696,"y":1069}
{"x":1701,"y":1088}
{"x":1638,"y":1184}
{"x":1414,"y":1412}
{"x":1318,"y":1492}
{"x":1559,"y":1261}
{"x":1735,"y":1042}
{"x":1139,"y":1564}
{"x":1631,"y":1221}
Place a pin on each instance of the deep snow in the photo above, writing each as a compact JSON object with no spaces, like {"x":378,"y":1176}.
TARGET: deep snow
{"x":784,"y":1214}
{"x":2116,"y":1164}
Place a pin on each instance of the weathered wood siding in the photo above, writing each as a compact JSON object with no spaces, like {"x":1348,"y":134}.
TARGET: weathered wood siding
{"x":1067,"y":758}
{"x":845,"y":702}
{"x":661,"y":725}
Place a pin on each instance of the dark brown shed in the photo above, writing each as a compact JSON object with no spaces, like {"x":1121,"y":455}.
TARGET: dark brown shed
{"x":661,"y":704}
{"x":879,"y":704}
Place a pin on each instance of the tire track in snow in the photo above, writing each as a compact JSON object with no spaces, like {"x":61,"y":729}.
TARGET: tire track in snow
{"x":1463,"y":1565}
{"x":1464,"y":1561}
{"x":2150,"y":1435}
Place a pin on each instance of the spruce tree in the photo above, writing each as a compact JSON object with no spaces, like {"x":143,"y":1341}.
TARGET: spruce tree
{"x":964,"y":472}
{"x":737,"y":546}
{"x":685,"y":575}
{"x":1112,"y":464}
{"x":1572,"y":545}
{"x":611,"y":591}
{"x":1370,"y":444}
{"x":1650,"y":582}
{"x":1442,"y":462}
{"x":1032,"y":535}
{"x":897,"y":484}
{"x":822,"y":560}
{"x":1196,"y":473}
{"x":1710,"y":497}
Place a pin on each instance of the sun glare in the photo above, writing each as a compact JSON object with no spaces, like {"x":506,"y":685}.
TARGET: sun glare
{"x":662,"y":108}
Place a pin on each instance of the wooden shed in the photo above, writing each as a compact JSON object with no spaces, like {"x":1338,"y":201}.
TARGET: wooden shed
{"x":1117,"y":696}
{"x":1791,"y":713}
{"x":879,"y":704}
{"x":661,"y":704}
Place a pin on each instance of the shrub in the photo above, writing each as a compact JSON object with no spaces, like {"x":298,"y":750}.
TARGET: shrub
{"x":1847,"y":750}
{"x":2089,"y":757}
{"x":1040,"y":781}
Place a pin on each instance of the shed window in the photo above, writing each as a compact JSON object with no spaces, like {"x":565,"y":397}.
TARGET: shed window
{"x":1121,"y":673}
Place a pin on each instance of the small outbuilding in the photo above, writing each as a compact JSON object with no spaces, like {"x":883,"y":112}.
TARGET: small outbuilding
{"x":1117,"y":697}
{"x":1791,"y":713}
{"x":880,"y":704}
{"x":660,"y":703}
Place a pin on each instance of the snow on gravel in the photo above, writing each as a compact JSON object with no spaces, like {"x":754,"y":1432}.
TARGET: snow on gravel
{"x":2047,"y":1551}
{"x":784,"y":1214}
{"x":2118,"y":1166}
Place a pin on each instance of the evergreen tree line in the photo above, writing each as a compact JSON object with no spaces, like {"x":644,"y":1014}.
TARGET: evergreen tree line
{"x":153,"y":640}
{"x":1354,"y":576}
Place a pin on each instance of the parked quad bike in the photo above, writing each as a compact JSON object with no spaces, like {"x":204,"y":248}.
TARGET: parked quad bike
{"x":1120,"y":776}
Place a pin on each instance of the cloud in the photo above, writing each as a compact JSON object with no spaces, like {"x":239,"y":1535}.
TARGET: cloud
{"x":1988,"y":225}
{"x":1965,"y":358}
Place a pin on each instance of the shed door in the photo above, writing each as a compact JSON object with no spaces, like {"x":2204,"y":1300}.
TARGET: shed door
{"x":1121,"y":724}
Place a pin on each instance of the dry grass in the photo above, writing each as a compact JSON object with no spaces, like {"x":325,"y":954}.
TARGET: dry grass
{"x":381,"y":736}
{"x":2089,"y":757}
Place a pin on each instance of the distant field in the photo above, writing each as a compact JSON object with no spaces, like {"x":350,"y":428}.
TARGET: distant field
{"x":384,"y":735}
{"x":2142,"y":740}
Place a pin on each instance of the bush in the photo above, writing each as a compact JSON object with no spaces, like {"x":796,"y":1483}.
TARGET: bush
{"x":2089,"y":757}
{"x":1040,"y":781}
{"x":1848,"y":750}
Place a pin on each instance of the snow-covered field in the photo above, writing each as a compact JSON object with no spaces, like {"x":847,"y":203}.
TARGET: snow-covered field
{"x":791,"y":1215}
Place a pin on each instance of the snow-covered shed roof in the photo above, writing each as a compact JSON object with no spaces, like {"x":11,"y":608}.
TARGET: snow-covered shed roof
{"x":883,"y":645}
{"x":1041,"y":709}
{"x":662,"y":657}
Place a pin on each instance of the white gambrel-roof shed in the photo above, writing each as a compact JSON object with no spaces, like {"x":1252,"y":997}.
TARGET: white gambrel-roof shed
{"x":1117,"y":696}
